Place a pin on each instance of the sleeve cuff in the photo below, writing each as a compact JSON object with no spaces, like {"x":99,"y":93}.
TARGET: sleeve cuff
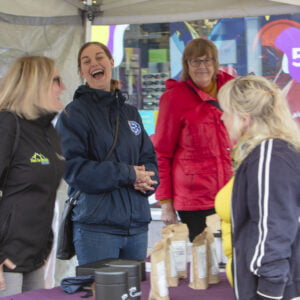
{"x":131,"y":175}
{"x":165,"y":201}
{"x":2,"y":257}
{"x":270,"y":290}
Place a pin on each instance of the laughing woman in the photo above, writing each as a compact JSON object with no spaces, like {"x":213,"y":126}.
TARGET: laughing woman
{"x":112,"y":214}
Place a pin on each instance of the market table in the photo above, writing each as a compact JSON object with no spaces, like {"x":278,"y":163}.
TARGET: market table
{"x":220,"y":291}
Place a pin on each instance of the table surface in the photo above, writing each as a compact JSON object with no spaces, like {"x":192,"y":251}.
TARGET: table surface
{"x":222,"y":290}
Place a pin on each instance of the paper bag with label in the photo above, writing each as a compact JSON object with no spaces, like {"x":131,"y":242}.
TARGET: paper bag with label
{"x":159,"y":288}
{"x":204,"y":265}
{"x":176,"y":252}
{"x":213,"y":270}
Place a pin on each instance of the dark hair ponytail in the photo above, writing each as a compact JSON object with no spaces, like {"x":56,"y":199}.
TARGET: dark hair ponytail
{"x":114,"y":84}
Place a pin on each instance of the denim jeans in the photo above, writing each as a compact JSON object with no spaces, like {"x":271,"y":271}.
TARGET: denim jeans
{"x":93,"y":246}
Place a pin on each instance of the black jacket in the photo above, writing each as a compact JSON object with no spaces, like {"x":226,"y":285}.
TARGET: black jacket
{"x":108,"y":200}
{"x":26,"y":210}
{"x":266,"y":223}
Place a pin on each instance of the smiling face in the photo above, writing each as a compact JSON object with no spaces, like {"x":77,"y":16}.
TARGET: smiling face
{"x":96,"y":67}
{"x":203,"y":73}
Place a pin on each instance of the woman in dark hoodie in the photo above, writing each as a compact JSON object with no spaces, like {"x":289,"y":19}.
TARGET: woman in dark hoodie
{"x":112,"y":213}
{"x":29,"y":98}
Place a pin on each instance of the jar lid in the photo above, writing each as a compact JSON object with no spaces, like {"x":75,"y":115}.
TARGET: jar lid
{"x":89,"y":269}
{"x":132,"y":267}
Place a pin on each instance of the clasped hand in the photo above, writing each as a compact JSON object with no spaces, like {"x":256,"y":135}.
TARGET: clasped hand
{"x":143,"y":182}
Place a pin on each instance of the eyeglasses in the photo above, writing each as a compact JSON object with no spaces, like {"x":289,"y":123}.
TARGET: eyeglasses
{"x":196,"y":62}
{"x":58,"y":80}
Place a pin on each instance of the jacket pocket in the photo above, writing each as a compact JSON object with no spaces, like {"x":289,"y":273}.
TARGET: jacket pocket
{"x":4,"y":227}
{"x":102,"y":209}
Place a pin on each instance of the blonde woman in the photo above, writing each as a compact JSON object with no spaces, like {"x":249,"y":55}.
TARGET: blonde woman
{"x":30,"y":90}
{"x":265,"y":200}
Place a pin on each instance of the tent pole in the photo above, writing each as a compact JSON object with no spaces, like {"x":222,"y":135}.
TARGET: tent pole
{"x":88,"y":25}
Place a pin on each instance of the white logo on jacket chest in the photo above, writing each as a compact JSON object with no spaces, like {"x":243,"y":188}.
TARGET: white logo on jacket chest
{"x":135,"y":127}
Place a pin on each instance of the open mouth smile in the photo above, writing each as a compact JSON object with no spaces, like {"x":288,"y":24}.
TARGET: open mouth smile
{"x":96,"y":73}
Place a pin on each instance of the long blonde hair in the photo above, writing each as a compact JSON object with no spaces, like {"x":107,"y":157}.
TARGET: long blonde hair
{"x":268,"y":110}
{"x":25,"y":88}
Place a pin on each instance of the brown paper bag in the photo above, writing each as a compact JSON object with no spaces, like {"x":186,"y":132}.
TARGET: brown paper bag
{"x":213,"y":270}
{"x":204,"y":265}
{"x":159,"y":288}
{"x":199,"y":263}
{"x":176,"y":252}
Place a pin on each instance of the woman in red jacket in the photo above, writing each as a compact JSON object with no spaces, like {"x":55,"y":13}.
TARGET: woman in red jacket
{"x":191,"y":141}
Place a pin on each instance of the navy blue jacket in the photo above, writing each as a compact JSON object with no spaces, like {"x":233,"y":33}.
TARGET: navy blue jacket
{"x":108,"y":199}
{"x":266,"y":223}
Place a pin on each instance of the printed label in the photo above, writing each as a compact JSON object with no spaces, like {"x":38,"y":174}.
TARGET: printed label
{"x":162,"y":281}
{"x":202,"y":261}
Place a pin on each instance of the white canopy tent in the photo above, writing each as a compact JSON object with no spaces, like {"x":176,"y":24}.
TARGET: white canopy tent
{"x":148,"y":11}
{"x":57,"y":28}
{"x":155,"y":11}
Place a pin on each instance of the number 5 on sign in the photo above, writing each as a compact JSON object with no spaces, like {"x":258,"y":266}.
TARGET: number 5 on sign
{"x":296,"y":55}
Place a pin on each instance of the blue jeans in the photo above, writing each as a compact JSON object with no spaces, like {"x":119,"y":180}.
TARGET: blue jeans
{"x":93,"y":246}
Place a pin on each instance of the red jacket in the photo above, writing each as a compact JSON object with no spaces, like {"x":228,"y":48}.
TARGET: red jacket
{"x":192,"y":146}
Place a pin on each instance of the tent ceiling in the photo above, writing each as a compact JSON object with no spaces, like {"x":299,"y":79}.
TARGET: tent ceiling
{"x":148,"y":11}
{"x":152,"y":11}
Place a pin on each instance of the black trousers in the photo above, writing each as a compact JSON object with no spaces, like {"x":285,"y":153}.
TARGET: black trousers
{"x":195,"y":220}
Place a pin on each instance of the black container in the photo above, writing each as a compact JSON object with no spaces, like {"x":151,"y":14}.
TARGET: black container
{"x":111,"y":283}
{"x":134,"y":275}
{"x":143,"y":269}
{"x":88,"y":269}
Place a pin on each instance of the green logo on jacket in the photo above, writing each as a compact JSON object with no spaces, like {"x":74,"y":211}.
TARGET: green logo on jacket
{"x":39,"y":158}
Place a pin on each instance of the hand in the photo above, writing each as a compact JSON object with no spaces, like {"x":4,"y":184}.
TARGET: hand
{"x":9,"y":264}
{"x":143,"y":182}
{"x":168,"y":214}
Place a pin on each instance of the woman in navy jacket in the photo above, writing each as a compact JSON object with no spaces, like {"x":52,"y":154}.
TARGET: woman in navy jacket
{"x":112,"y":215}
{"x":265,"y":203}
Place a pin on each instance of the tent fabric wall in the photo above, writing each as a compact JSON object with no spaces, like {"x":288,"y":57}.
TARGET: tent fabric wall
{"x":60,"y":42}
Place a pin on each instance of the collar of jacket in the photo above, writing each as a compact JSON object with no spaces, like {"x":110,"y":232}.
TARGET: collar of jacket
{"x":203,"y":95}
{"x":84,"y":91}
{"x":45,"y":119}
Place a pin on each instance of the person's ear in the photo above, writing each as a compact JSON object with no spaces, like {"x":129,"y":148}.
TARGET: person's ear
{"x":246,"y":120}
